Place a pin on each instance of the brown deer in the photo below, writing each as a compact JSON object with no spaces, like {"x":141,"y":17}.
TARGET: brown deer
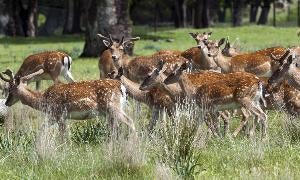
{"x":289,"y":70}
{"x":52,"y":63}
{"x":77,"y":100}
{"x":116,"y":51}
{"x":155,"y":98}
{"x":220,"y":91}
{"x":256,"y":63}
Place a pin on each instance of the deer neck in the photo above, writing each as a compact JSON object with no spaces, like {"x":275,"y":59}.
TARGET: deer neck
{"x":29,"y":97}
{"x":133,"y":89}
{"x":210,"y":63}
{"x":223,"y":62}
{"x":186,"y":86}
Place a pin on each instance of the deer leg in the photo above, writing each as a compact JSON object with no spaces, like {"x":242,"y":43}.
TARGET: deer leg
{"x":216,"y":123}
{"x":242,"y":123}
{"x":153,"y":121}
{"x":225,"y":120}
{"x":117,"y":113}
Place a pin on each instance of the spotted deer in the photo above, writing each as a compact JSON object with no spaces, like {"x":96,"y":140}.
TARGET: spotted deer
{"x":76,"y":100}
{"x":289,"y":71}
{"x":220,"y":91}
{"x":116,"y":51}
{"x":256,"y":63}
{"x":52,"y":63}
{"x":157,"y":100}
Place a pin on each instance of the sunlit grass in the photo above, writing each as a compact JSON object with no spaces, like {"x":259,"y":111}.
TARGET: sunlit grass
{"x":89,"y":156}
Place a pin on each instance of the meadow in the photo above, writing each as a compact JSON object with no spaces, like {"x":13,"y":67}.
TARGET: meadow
{"x":29,"y":152}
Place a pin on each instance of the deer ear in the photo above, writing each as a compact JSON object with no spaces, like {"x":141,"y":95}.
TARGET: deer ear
{"x":193,"y":35}
{"x":221,"y":42}
{"x":106,"y":43}
{"x":209,"y":34}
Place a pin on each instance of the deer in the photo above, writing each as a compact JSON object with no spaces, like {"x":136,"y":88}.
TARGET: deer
{"x":155,"y":98}
{"x":289,"y":71}
{"x":222,"y":91}
{"x":53,"y":64}
{"x":115,"y":51}
{"x":256,"y":63}
{"x":75,"y":100}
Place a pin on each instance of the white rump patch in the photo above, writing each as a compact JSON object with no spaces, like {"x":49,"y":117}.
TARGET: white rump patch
{"x":124,"y":97}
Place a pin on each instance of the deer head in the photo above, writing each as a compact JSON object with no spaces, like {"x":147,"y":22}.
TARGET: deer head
{"x":14,"y":84}
{"x":229,"y":50}
{"x":155,"y":77}
{"x":200,"y":37}
{"x":177,"y":72}
{"x":118,"y":49}
{"x":291,"y":63}
{"x":213,"y":47}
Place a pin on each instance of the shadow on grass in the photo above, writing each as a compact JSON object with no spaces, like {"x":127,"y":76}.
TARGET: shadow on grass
{"x":41,"y":40}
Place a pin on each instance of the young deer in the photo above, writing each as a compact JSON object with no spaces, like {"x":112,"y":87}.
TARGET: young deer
{"x":214,"y":90}
{"x":77,"y":100}
{"x":289,"y":70}
{"x":155,"y":98}
{"x":255,"y":63}
{"x":52,"y":63}
{"x":116,"y":51}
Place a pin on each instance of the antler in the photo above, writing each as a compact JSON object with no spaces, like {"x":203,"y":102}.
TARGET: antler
{"x":131,"y":40}
{"x":30,"y":76}
{"x":106,"y":38}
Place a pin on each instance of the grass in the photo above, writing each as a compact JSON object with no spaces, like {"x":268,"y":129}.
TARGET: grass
{"x":28,"y":152}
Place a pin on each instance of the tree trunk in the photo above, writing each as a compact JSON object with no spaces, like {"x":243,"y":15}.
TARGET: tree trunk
{"x":32,"y":19}
{"x":22,"y":18}
{"x":201,"y":14}
{"x":254,"y":5}
{"x":184,"y":13}
{"x":106,"y":15}
{"x":69,"y":17}
{"x":237,"y":12}
{"x":178,"y":13}
{"x":263,"y":19}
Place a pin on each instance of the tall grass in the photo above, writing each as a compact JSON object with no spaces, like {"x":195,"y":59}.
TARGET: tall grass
{"x":177,"y":150}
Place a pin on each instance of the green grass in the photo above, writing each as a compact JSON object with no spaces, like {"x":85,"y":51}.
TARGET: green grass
{"x":89,"y":154}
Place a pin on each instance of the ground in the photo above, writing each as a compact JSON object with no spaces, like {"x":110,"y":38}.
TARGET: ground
{"x":28,"y":153}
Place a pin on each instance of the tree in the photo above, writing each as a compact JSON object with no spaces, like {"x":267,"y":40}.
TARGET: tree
{"x":22,"y":18}
{"x":237,"y":12}
{"x":254,"y":5}
{"x":201,"y":19}
{"x":73,"y":16}
{"x":105,"y":15}
{"x":263,"y":18}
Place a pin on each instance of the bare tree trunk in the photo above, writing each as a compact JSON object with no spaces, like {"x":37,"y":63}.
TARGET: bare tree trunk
{"x":178,"y":13}
{"x":184,"y":13}
{"x":254,"y":5}
{"x":263,"y":19}
{"x":106,"y":15}
{"x":201,"y":14}
{"x":22,"y":18}
{"x":32,"y":19}
{"x":237,"y":12}
{"x":69,"y":17}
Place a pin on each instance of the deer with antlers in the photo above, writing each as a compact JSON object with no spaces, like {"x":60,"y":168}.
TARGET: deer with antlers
{"x":116,"y":51}
{"x":214,"y":90}
{"x":53,"y":64}
{"x":77,"y":100}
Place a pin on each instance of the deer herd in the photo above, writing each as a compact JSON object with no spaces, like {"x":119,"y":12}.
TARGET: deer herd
{"x":219,"y":79}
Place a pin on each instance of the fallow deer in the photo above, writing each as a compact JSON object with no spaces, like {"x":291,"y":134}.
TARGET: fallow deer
{"x":289,"y":71}
{"x":76,"y":100}
{"x":116,"y":51}
{"x":221,"y":91}
{"x":255,"y":63}
{"x":157,"y":100}
{"x":52,"y":63}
